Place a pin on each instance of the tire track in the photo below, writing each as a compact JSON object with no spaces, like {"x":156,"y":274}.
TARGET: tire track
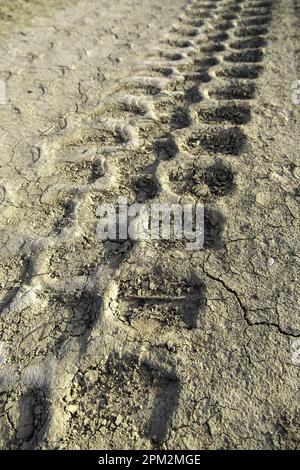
{"x":195,"y":97}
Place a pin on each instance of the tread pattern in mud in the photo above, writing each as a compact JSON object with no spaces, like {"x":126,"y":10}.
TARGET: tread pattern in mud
{"x":177,"y":126}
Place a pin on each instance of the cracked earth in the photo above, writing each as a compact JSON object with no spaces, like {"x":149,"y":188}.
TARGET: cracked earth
{"x":144,"y":344}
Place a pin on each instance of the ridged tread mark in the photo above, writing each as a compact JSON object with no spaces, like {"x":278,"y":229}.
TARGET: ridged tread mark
{"x":252,"y":43}
{"x":162,"y":297}
{"x":251,"y":72}
{"x":220,"y":179}
{"x":145,"y":187}
{"x":250,"y":55}
{"x":155,"y":393}
{"x":234,"y":90}
{"x":230,"y":112}
{"x":229,"y":141}
{"x":207,"y":182}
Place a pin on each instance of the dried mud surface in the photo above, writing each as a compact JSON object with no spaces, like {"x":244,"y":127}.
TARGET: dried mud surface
{"x":146,"y":345}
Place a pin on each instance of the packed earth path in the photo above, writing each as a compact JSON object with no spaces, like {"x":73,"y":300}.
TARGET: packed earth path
{"x":144,"y":344}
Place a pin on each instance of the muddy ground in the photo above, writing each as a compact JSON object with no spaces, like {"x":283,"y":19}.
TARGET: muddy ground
{"x":145,"y":344}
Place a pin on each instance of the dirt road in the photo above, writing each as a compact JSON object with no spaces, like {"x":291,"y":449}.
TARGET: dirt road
{"x":145,"y":344}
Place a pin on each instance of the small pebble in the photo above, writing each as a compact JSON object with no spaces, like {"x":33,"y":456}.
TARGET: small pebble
{"x":92,"y":376}
{"x":119,"y":420}
{"x":72,"y":408}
